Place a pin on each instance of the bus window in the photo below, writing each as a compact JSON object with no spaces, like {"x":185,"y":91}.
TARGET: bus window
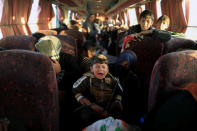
{"x":143,"y":7}
{"x":192,"y":26}
{"x":1,"y":12}
{"x":159,"y":8}
{"x":33,"y":17}
{"x":132,"y":17}
{"x":1,"y":35}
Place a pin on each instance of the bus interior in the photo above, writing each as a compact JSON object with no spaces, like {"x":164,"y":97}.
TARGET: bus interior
{"x":48,"y":50}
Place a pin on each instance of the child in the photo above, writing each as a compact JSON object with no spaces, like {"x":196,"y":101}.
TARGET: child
{"x":89,"y":50}
{"x":98,"y":92}
{"x":144,"y":27}
{"x":163,"y":22}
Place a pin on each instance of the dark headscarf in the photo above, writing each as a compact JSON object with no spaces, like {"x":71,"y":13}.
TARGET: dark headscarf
{"x":129,"y":56}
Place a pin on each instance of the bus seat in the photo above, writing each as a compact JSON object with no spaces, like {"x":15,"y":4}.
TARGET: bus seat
{"x":173,"y":71}
{"x":76,"y":35}
{"x":147,"y":51}
{"x":173,"y":93}
{"x":69,"y":45}
{"x":18,"y":42}
{"x":28,"y":89}
{"x":176,"y":43}
{"x":48,"y":32}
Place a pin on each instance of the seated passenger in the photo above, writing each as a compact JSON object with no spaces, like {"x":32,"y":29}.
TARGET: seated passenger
{"x":144,"y":27}
{"x":51,"y":47}
{"x":163,"y":23}
{"x":74,"y":25}
{"x":61,"y":27}
{"x":88,"y":51}
{"x":98,"y":93}
{"x":124,"y":69}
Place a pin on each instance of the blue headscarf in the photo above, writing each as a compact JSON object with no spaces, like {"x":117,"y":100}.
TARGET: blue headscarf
{"x":129,"y":56}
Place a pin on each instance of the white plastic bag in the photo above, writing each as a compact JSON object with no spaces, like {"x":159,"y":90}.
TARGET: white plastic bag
{"x":108,"y":124}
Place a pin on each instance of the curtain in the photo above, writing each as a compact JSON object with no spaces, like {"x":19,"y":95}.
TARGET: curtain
{"x":21,"y":14}
{"x":128,"y":18}
{"x":152,"y":6}
{"x":13,"y":12}
{"x":187,"y":3}
{"x":138,"y":10}
{"x":122,"y":15}
{"x":178,"y":22}
{"x":60,"y":14}
{"x":6,"y":19}
{"x":45,"y":15}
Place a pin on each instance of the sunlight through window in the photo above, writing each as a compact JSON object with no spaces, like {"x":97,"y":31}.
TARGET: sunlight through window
{"x":143,"y":7}
{"x":192,"y":29}
{"x":33,"y":18}
{"x":1,"y":35}
{"x":132,"y":17}
{"x":53,"y":23}
{"x":126,"y":23}
{"x":159,"y":8}
{"x":1,"y":8}
{"x":1,"y":12}
{"x":24,"y":27}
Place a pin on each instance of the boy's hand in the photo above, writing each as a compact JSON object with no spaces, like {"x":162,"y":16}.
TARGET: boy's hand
{"x":99,"y":110}
{"x":56,"y":66}
{"x":138,"y":36}
{"x":146,"y":32}
{"x":84,"y":101}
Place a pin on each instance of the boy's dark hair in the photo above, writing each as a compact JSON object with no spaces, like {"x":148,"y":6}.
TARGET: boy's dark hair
{"x":146,"y":13}
{"x":101,"y":59}
{"x":89,"y":45}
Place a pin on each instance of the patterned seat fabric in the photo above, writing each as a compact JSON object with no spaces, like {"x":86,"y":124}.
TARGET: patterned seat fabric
{"x":172,"y":72}
{"x":28,"y":90}
{"x":76,"y":35}
{"x":18,"y":42}
{"x":177,"y":43}
{"x":69,"y":45}
{"x":147,"y":51}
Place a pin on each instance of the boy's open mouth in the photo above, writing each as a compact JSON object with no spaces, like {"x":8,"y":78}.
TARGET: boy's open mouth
{"x":100,"y":74}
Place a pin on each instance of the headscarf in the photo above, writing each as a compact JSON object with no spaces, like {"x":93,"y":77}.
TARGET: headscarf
{"x":49,"y":46}
{"x":129,"y":56}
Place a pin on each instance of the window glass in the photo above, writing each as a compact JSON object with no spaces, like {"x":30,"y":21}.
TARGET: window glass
{"x":1,"y":12}
{"x":132,"y":17}
{"x":192,"y":25}
{"x":143,"y":7}
{"x":33,"y":18}
{"x":159,"y":8}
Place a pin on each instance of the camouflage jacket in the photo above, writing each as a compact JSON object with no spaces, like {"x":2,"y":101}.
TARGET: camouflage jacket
{"x":99,"y":91}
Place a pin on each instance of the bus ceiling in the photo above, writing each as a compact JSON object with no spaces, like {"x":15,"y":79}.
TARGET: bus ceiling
{"x":104,"y":7}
